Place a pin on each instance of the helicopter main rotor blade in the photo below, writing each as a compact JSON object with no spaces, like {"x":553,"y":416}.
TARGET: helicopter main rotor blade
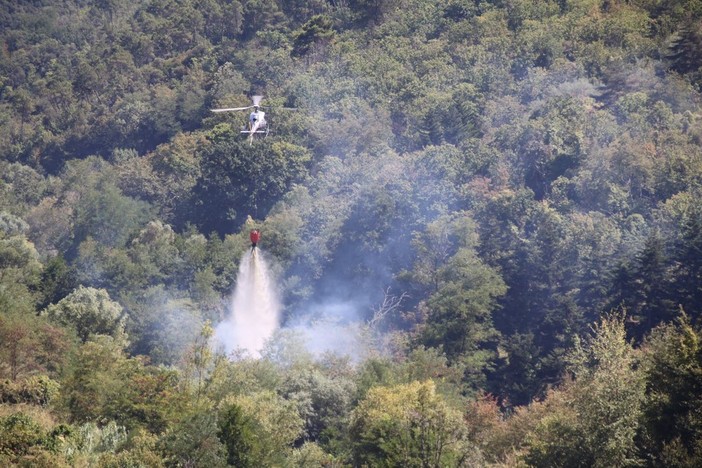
{"x":231,"y":109}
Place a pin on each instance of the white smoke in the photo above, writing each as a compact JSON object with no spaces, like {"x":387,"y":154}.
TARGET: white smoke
{"x":335,"y":328}
{"x":255,"y":308}
{"x":330,"y":337}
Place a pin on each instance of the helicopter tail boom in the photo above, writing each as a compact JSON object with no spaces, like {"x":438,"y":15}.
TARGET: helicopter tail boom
{"x":231,"y":109}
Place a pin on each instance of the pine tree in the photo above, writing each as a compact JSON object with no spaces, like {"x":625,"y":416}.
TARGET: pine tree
{"x":688,"y":256}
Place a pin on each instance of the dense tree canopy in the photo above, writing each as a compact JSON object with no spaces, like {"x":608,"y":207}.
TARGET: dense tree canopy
{"x":496,"y":203}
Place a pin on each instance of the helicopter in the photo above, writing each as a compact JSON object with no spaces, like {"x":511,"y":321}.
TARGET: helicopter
{"x":257,"y":124}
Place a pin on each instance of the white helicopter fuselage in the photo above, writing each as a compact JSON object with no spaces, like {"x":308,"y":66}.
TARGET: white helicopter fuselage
{"x":257,"y":120}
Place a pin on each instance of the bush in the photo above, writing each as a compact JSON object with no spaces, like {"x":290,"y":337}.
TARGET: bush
{"x":35,"y":390}
{"x":18,"y":434}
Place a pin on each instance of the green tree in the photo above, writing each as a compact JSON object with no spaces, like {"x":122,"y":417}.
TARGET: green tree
{"x":312,"y":455}
{"x":323,"y":403}
{"x":460,"y":312}
{"x":25,"y":186}
{"x":684,"y":53}
{"x":610,"y":391}
{"x":102,"y":382}
{"x":194,"y":442}
{"x":92,"y":378}
{"x":11,"y":225}
{"x":30,"y":345}
{"x":601,"y":410}
{"x":20,"y":271}
{"x":107,"y":216}
{"x":687,"y":252}
{"x":407,"y":425}
{"x":89,"y":312}
{"x":239,"y":179}
{"x":316,"y":32}
{"x":261,"y":15}
{"x":259,"y":429}
{"x":644,"y":287}
{"x":89,"y":442}
{"x":165,"y":177}
{"x":138,"y":450}
{"x":200,"y":358}
{"x":433,"y":248}
{"x":153,"y":251}
{"x":672,"y":363}
{"x":160,"y":325}
{"x":57,"y":281}
{"x":19,"y":434}
{"x":238,"y":433}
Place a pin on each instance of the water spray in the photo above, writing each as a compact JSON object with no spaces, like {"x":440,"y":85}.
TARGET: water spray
{"x":255,"y":307}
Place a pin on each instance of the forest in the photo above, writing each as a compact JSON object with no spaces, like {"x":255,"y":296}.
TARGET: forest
{"x":484,"y":218}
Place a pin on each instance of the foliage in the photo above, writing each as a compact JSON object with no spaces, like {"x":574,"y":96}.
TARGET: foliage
{"x":161,"y":326}
{"x":323,"y":403}
{"x":472,"y":185}
{"x":37,"y":390}
{"x":30,"y":344}
{"x":20,"y":271}
{"x":103,"y":382}
{"x":250,"y":177}
{"x":310,"y":454}
{"x":139,"y":449}
{"x":19,"y":434}
{"x":602,"y":408}
{"x":194,"y":442}
{"x":90,"y":312}
{"x":259,"y":429}
{"x":238,"y":434}
{"x":672,"y":364}
{"x":459,"y":311}
{"x":316,"y":31}
{"x":408,"y":425}
{"x":88,"y":441}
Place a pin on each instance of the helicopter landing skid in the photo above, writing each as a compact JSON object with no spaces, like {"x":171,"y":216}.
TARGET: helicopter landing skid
{"x":257,"y":132}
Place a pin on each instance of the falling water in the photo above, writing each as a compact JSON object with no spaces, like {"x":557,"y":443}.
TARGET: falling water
{"x":255,"y":308}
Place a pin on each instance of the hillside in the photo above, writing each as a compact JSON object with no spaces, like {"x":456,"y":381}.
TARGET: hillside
{"x":484,"y":221}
